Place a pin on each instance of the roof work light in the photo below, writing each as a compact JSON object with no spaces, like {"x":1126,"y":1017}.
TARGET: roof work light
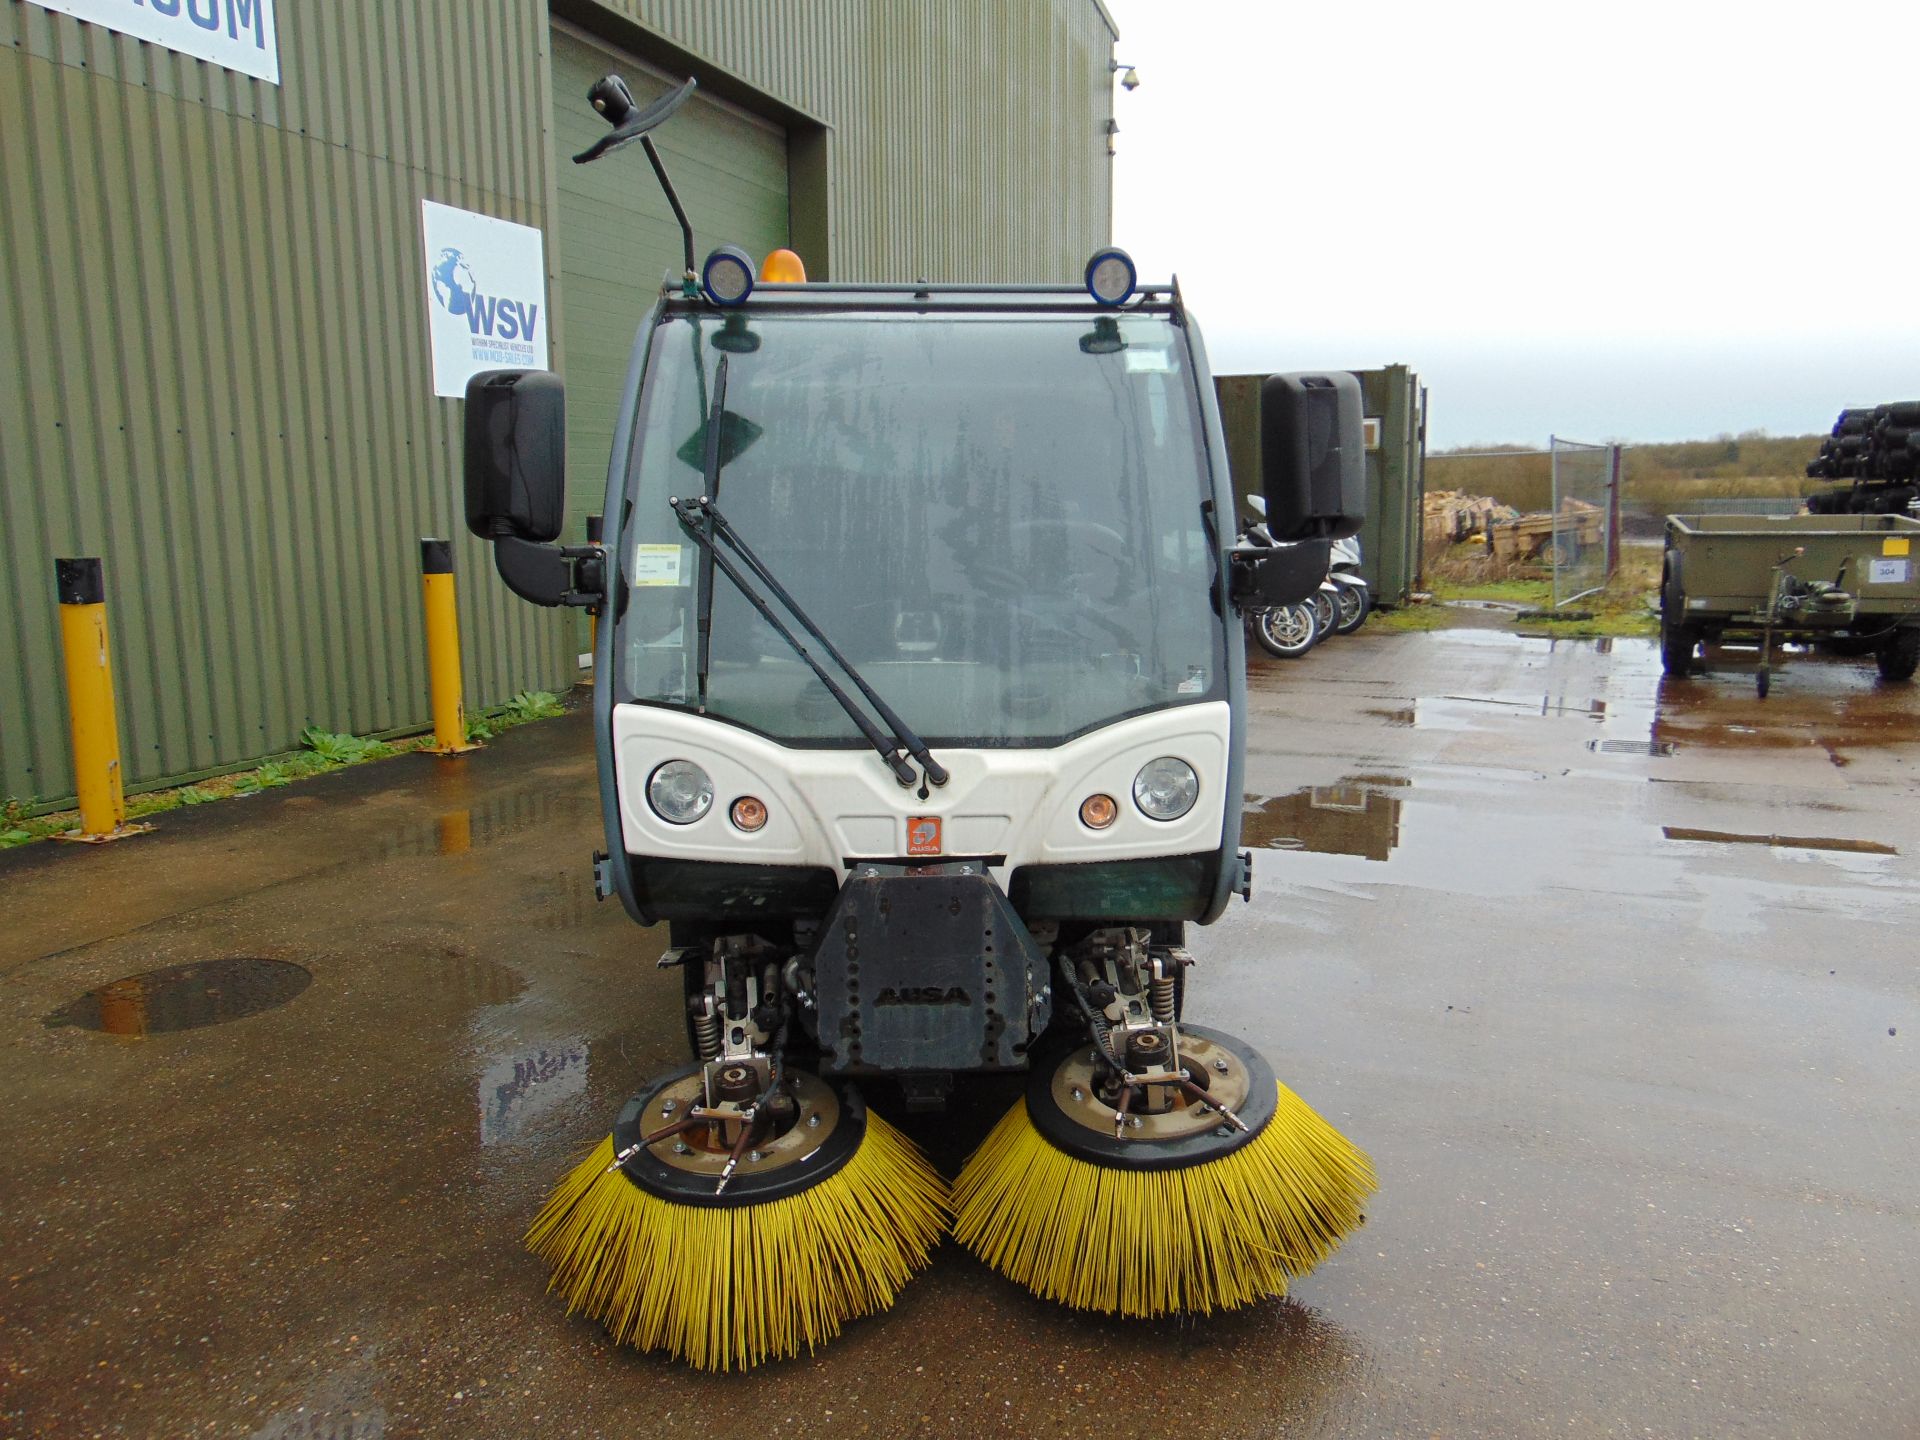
{"x":727,"y":277}
{"x":1111,"y":276}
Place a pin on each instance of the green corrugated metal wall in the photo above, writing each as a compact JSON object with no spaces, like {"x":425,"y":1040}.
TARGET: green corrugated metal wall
{"x":980,"y":123}
{"x":212,"y":297}
{"x":617,"y":237}
{"x":211,"y":292}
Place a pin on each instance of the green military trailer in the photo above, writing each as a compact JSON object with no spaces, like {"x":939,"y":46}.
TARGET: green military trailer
{"x":1845,"y":582}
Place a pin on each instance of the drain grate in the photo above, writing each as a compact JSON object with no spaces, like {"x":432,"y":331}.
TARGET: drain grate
{"x":1631,"y":747}
{"x":185,"y":997}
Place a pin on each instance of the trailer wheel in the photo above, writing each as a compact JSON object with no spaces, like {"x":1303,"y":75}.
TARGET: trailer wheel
{"x":1673,"y":600}
{"x":1900,"y":656}
{"x":1677,"y":645}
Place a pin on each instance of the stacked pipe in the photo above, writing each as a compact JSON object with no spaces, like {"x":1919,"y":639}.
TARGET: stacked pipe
{"x":1877,"y":450}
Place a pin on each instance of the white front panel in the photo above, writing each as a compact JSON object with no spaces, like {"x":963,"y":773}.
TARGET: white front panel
{"x":827,"y":806}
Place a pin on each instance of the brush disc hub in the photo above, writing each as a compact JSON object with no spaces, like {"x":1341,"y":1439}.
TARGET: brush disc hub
{"x":813,"y":1131}
{"x":1065,"y":1104}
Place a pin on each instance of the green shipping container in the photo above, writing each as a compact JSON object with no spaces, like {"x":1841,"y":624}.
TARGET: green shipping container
{"x":1396,"y":411}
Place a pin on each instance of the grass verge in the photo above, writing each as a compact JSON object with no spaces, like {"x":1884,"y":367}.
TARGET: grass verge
{"x":1624,"y":608}
{"x":321,"y":751}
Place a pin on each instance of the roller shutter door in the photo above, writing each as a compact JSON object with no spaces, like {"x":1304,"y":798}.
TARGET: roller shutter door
{"x":617,"y":237}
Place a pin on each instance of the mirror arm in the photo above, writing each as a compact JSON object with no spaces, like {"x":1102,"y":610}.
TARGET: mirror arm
{"x":1243,"y":577}
{"x":551,"y":575}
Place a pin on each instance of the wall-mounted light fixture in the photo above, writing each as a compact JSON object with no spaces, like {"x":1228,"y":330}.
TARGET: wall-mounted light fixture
{"x":1128,"y":81}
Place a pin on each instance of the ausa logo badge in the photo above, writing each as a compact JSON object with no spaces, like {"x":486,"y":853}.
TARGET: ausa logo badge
{"x":923,"y":835}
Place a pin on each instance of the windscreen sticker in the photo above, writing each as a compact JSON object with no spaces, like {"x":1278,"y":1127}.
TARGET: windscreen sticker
{"x":1149,"y":359}
{"x":655,"y":565}
{"x":1887,"y":572}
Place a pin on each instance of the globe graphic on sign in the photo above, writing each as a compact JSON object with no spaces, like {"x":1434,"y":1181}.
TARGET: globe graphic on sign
{"x":453,"y":283}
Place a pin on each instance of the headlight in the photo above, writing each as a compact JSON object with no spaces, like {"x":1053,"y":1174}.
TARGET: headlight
{"x":1165,"y":789}
{"x":680,"y":792}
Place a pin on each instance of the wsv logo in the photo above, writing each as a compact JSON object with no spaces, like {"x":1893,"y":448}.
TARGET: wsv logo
{"x":488,"y":317}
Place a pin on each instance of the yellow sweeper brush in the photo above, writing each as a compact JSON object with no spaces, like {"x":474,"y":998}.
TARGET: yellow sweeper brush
{"x":730,"y":1225}
{"x":1134,"y":1182}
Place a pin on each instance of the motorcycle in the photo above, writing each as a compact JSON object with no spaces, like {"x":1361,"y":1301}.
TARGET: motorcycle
{"x":1284,"y":631}
{"x":1353,"y":600}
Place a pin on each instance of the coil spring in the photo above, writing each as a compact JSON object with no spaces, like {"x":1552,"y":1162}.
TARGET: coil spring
{"x":1160,"y":999}
{"x":706,"y":1034}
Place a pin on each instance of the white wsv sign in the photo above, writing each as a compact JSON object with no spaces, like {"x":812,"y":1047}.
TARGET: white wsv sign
{"x":233,"y":34}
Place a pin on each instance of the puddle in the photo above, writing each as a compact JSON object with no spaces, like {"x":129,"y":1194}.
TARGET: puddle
{"x":471,"y":978}
{"x":516,"y":1090}
{"x":1784,"y":842}
{"x":1816,"y":702}
{"x":1358,"y":816}
{"x":458,"y":831}
{"x":1549,"y":705}
{"x":567,"y":902}
{"x":185,"y":997}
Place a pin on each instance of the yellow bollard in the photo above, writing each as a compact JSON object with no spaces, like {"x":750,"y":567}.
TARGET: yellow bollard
{"x":443,"y":649}
{"x":95,"y":728}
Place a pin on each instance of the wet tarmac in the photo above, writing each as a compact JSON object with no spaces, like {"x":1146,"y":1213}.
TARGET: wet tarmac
{"x":1612,"y":975}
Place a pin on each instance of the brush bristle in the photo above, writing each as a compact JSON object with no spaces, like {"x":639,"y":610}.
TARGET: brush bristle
{"x":729,"y":1288}
{"x":1207,"y":1237}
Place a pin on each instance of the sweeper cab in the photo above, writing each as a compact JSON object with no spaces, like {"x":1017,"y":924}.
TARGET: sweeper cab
{"x":921,"y":711}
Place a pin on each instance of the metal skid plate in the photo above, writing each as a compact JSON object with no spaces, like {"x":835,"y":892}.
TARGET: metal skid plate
{"x":927,"y":967}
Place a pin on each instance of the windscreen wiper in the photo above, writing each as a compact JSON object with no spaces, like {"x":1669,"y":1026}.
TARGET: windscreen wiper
{"x":702,"y":520}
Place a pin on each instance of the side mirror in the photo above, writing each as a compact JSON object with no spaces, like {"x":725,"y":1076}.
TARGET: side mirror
{"x":1313,"y":455}
{"x":516,"y":450}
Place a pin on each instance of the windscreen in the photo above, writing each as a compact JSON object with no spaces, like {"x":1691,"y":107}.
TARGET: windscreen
{"x":996,"y":520}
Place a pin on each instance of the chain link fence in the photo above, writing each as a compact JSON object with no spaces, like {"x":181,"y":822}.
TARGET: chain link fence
{"x":1552,"y":513}
{"x":1580,"y":547}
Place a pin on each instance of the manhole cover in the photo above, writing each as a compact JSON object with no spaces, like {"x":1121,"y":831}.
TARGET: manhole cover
{"x":185,"y":997}
{"x":1631,"y":747}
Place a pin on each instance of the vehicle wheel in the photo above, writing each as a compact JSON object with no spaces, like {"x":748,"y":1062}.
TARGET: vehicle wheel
{"x":1900,"y":656}
{"x":1673,"y":600}
{"x":1677,"y":644}
{"x":1326,"y":612}
{"x":1355,"y":601}
{"x":1286,"y":631}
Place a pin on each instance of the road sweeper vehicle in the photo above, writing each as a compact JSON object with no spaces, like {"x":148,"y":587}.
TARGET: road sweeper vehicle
{"x":921,"y":714}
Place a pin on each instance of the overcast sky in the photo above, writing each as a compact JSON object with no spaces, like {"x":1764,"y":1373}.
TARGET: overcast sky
{"x":1621,"y":221}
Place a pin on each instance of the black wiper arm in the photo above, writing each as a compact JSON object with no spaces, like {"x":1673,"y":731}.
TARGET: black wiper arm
{"x":692,"y":513}
{"x":702,"y":520}
{"x":710,"y":472}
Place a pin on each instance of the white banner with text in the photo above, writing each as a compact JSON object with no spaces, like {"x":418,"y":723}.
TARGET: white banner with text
{"x":233,"y":34}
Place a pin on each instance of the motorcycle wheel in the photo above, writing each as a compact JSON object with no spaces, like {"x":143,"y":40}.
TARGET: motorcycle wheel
{"x":1355,"y":602}
{"x":1286,"y":631}
{"x":1326,"y":611}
